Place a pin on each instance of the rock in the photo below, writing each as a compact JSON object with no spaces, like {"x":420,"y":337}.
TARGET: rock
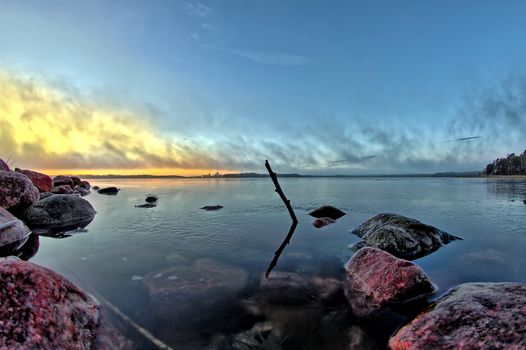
{"x":85,"y":185}
{"x":59,"y":211}
{"x":76,"y":180}
{"x":146,"y":205}
{"x":82,"y":191}
{"x":17,"y":192}
{"x":193,"y":293}
{"x":41,"y":181}
{"x":13,"y":232}
{"x":63,"y":180}
{"x":96,"y":188}
{"x":108,"y":190}
{"x":40,"y":309}
{"x":62,"y":189}
{"x":376,"y":279}
{"x":321,"y":222}
{"x":327,"y":211}
{"x":401,"y":236}
{"x":151,"y":198}
{"x":4,"y":166}
{"x":44,"y":195}
{"x":470,"y":316}
{"x":212,"y":207}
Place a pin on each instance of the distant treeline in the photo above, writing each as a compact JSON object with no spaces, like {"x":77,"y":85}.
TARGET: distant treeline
{"x":511,"y":165}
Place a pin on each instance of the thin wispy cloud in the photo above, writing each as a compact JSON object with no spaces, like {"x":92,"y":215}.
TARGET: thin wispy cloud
{"x":209,"y":27}
{"x":271,"y":58}
{"x":197,"y":9}
{"x":464,"y":139}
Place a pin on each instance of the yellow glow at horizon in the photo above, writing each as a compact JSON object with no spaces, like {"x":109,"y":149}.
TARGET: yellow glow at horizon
{"x":56,"y":125}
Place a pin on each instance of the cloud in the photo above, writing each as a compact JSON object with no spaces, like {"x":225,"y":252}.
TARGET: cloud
{"x":56,"y":126}
{"x":197,"y":9}
{"x":209,"y":27}
{"x":272,"y":58}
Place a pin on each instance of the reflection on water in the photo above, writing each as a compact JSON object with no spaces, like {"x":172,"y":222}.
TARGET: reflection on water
{"x":137,"y":258}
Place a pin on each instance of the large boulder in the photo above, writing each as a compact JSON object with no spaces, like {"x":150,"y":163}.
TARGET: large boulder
{"x":63,"y":180}
{"x":59,"y":210}
{"x":40,"y":309}
{"x":13,"y":232}
{"x":327,"y":211}
{"x":471,"y":316}
{"x":41,"y":181}
{"x":3,"y":166}
{"x":376,"y":279}
{"x":62,"y":189}
{"x":17,"y":192}
{"x":191,"y":293}
{"x":401,"y":236}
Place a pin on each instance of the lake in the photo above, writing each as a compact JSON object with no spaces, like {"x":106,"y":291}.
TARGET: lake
{"x":124,"y":245}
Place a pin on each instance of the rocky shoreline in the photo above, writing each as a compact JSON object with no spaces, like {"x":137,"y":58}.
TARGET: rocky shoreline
{"x":380,"y":288}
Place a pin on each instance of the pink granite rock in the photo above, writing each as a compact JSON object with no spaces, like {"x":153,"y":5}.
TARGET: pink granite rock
{"x":375,"y":279}
{"x":63,"y":180}
{"x":17,"y":192}
{"x":321,"y":222}
{"x":41,"y":181}
{"x":40,"y":309}
{"x":471,"y":316}
{"x":62,"y":189}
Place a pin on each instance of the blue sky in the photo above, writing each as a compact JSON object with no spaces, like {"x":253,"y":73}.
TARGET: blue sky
{"x":339,"y":87}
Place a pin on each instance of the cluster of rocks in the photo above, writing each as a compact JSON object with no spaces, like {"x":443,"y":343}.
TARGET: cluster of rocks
{"x":293,"y":310}
{"x":151,"y":202}
{"x":40,"y":309}
{"x":325,"y":215}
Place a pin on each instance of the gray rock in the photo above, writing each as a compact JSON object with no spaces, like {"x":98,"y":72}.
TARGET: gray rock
{"x":59,"y":210}
{"x":63,"y":180}
{"x":470,"y":316}
{"x":13,"y":232}
{"x":151,"y":198}
{"x":85,"y":185}
{"x":17,"y":192}
{"x":82,"y":191}
{"x":401,"y":236}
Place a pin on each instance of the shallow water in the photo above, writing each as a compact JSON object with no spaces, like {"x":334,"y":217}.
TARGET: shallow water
{"x":123,"y":243}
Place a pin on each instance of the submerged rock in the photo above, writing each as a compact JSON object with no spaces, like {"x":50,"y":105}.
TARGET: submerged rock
{"x":96,"y":188}
{"x":13,"y":232}
{"x":17,"y":192}
{"x":63,"y":180}
{"x":59,"y":211}
{"x":108,"y":190}
{"x":401,"y":236}
{"x":376,"y":279}
{"x":212,"y":207}
{"x":4,"y":166}
{"x":40,"y":309}
{"x":41,"y":181}
{"x":151,"y":198}
{"x":470,"y":316}
{"x":327,"y":211}
{"x":321,"y":222}
{"x":193,"y":293}
{"x":146,"y":205}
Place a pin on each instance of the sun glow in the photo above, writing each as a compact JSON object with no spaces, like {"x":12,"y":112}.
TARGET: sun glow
{"x":56,"y":131}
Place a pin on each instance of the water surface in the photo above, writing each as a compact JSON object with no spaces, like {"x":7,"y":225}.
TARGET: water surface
{"x":124,"y":243}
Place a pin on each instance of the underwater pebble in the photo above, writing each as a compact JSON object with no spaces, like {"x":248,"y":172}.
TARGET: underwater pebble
{"x":158,"y":275}
{"x":173,"y":277}
{"x":136,"y":278}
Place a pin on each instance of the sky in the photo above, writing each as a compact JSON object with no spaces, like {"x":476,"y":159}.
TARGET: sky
{"x":316,"y":87}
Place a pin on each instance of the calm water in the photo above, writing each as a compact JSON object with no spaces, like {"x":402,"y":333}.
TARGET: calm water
{"x":125,"y":243}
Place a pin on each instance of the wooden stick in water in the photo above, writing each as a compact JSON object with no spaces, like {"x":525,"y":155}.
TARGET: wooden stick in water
{"x":274,"y":178}
{"x":286,"y":241}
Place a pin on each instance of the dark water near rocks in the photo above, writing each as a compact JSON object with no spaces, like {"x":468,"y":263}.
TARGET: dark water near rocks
{"x":124,"y":243}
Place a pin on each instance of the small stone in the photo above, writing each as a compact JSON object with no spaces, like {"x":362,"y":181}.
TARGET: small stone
{"x":136,"y":278}
{"x":321,"y":222}
{"x":212,"y":207}
{"x":109,"y":190}
{"x":327,"y":211}
{"x":151,"y":198}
